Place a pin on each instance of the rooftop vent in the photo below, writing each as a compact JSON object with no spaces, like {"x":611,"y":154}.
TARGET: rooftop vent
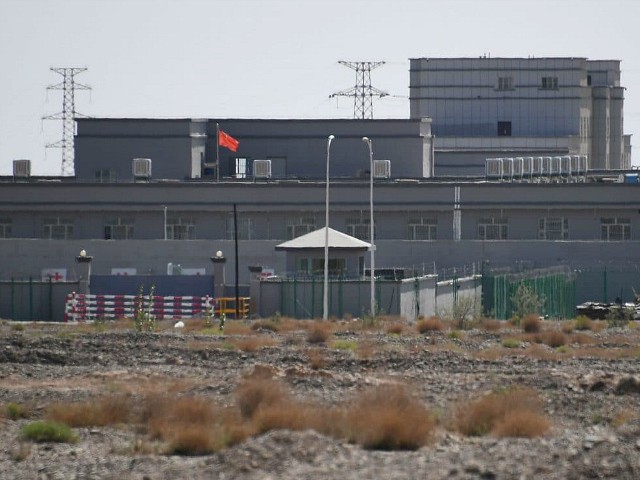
{"x":382,"y":169}
{"x":141,"y":168}
{"x":262,"y":169}
{"x":22,"y":168}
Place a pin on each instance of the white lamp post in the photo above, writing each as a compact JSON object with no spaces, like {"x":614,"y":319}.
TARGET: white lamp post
{"x":373,"y":244}
{"x":164,"y":207}
{"x":325,"y":298}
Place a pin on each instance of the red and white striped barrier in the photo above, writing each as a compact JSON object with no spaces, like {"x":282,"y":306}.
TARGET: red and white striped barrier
{"x":79,"y":307}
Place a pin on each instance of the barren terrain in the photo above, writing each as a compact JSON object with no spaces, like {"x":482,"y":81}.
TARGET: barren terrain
{"x":587,"y":382}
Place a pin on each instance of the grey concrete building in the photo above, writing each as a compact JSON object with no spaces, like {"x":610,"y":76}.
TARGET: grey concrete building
{"x":511,"y":107}
{"x":185,"y":149}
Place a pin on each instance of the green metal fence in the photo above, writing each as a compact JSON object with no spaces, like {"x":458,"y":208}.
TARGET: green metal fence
{"x":556,"y":288}
{"x":34,"y":299}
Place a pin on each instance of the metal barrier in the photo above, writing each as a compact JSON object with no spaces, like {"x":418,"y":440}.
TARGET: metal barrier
{"x":79,"y":307}
{"x":227,"y":305}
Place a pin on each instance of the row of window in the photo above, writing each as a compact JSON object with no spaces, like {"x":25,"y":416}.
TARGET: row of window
{"x":418,"y":228}
{"x":546,"y":83}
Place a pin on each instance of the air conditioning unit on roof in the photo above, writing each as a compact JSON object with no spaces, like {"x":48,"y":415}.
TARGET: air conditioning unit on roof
{"x":142,"y":168}
{"x":382,"y":169}
{"x":22,"y":168}
{"x":262,"y":169}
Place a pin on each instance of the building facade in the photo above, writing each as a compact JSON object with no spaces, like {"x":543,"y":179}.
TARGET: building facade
{"x":511,"y":107}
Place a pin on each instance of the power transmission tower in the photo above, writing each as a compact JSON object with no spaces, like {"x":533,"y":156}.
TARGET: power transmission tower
{"x":68,"y":114}
{"x":362,"y":92}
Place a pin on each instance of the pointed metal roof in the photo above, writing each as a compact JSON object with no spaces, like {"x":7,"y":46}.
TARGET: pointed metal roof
{"x":316,"y":239}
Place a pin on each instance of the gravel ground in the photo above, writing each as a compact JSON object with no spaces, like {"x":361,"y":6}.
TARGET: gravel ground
{"x":590,"y":390}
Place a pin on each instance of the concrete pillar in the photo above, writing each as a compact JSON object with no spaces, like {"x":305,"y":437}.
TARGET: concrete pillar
{"x":254,"y":289}
{"x":219,"y":282}
{"x":84,"y":264}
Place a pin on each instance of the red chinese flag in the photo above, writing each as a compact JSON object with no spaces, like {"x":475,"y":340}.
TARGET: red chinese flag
{"x":225,"y":140}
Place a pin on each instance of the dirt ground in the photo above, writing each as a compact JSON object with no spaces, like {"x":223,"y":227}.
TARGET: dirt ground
{"x":589,"y":386}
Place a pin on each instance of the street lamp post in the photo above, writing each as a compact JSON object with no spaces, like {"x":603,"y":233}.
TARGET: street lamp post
{"x":164,"y":207}
{"x":325,"y":298}
{"x":373,"y":244}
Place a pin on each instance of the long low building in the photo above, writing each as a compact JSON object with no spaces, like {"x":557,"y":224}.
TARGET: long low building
{"x":44,"y":223}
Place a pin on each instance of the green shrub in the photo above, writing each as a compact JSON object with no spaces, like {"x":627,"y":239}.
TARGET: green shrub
{"x":45,"y":431}
{"x":525,"y":301}
{"x":15,"y":411}
{"x":510,"y":343}
{"x":583,"y":323}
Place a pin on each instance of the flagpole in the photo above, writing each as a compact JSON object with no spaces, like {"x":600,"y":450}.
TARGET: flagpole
{"x":217,"y":152}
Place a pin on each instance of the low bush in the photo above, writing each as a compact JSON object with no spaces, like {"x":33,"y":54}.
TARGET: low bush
{"x":389,"y":418}
{"x":109,"y":410}
{"x":513,"y":412}
{"x":268,"y":325}
{"x":253,"y":344}
{"x":431,"y":324}
{"x":342,"y":344}
{"x":16,"y":411}
{"x":554,"y":338}
{"x":316,"y":358}
{"x":531,"y":323}
{"x":511,"y":343}
{"x":394,"y":328}
{"x":583,"y":323}
{"x":490,"y":325}
{"x":255,"y":394}
{"x":46,"y":431}
{"x":319,"y":332}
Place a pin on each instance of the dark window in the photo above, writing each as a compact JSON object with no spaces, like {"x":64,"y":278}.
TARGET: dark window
{"x":588,"y":79}
{"x":504,"y":129}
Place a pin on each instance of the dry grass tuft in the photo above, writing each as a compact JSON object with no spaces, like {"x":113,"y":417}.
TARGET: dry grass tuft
{"x":502,"y":414}
{"x":253,"y":344}
{"x":523,"y":424}
{"x":319,"y":332}
{"x":490,"y":325}
{"x":431,"y":324}
{"x":366,"y":350}
{"x":268,"y":325}
{"x":236,"y":327}
{"x":553,"y":338}
{"x":388,"y":418}
{"x":256,"y":394}
{"x":109,"y":410}
{"x":316,"y":358}
{"x":394,"y":328}
{"x":531,"y":323}
{"x":567,"y":327}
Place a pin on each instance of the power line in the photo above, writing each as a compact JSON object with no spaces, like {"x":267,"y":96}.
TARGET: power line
{"x":68,"y":114}
{"x":362,"y":92}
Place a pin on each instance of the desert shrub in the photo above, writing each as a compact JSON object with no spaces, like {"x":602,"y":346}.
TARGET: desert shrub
{"x":286,"y":415}
{"x":316,"y":358}
{"x":526,"y":301}
{"x":431,"y":324}
{"x":463,"y":313}
{"x":510,"y":343}
{"x":388,"y":418}
{"x":508,"y":413}
{"x":582,"y":338}
{"x":253,"y":344}
{"x":268,"y":325}
{"x":109,"y":410}
{"x":394,"y":328}
{"x":490,"y":325}
{"x":318,"y":332}
{"x":46,"y":431}
{"x":583,"y":323}
{"x":255,"y":394}
{"x":366,"y":350}
{"x":342,"y":344}
{"x":192,"y":439}
{"x":531,"y":323}
{"x":522,"y":424}
{"x":16,"y":411}
{"x":567,"y":327}
{"x":455,"y":335}
{"x":554,"y":338}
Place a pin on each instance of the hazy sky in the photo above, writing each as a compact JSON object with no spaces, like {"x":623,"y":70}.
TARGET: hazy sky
{"x":271,"y":58}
